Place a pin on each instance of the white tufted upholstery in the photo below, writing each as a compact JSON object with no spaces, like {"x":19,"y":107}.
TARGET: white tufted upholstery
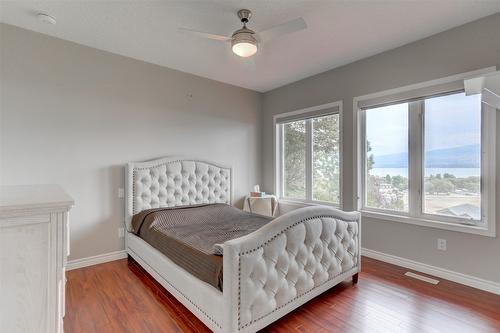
{"x":296,"y":261}
{"x":304,"y":251}
{"x":174,"y":182}
{"x":267,"y":273}
{"x":180,"y":183}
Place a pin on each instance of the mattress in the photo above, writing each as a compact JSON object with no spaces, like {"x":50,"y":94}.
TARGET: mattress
{"x":192,"y":236}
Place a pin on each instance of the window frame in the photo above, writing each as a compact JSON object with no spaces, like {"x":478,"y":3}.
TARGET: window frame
{"x":363,"y":207}
{"x":416,"y":214}
{"x":307,"y":114}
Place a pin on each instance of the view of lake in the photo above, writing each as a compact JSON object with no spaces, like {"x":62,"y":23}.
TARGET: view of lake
{"x":457,"y":172}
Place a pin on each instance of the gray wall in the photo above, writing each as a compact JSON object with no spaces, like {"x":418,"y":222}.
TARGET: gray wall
{"x":1,"y":101}
{"x":466,"y":48}
{"x":74,"y":115}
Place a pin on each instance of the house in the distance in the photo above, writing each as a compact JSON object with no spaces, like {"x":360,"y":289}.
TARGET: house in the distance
{"x":464,"y":210}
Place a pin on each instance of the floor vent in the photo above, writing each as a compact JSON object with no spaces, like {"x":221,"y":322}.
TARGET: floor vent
{"x":422,"y":278}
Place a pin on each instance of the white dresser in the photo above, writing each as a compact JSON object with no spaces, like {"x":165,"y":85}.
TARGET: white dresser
{"x":34,"y":245}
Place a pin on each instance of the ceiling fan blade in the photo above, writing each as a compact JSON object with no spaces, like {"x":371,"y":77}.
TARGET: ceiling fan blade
{"x":282,"y":29}
{"x":204,"y":34}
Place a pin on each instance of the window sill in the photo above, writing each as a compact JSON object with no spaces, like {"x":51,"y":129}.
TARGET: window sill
{"x":303,"y":203}
{"x":470,"y":229}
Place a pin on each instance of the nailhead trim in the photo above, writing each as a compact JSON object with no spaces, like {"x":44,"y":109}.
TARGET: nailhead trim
{"x":135,"y":169}
{"x":290,"y":301}
{"x":189,"y":300}
{"x":265,"y":243}
{"x":239,"y":289}
{"x":288,"y":228}
{"x":197,"y":307}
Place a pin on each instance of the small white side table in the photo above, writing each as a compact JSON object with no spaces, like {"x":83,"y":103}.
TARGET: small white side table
{"x":266,"y":205}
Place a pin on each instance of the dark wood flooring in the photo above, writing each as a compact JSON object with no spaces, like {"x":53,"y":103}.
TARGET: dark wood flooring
{"x":120,"y":297}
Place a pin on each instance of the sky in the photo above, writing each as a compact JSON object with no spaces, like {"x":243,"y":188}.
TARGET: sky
{"x":450,"y":121}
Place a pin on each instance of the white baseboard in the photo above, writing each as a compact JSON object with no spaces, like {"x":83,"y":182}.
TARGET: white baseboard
{"x":468,"y":280}
{"x":95,"y":260}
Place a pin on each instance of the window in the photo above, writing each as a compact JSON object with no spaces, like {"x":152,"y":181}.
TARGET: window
{"x":452,"y":156}
{"x":308,"y":154}
{"x":326,"y":159}
{"x":428,"y":159}
{"x":387,"y":157}
{"x":294,"y":150}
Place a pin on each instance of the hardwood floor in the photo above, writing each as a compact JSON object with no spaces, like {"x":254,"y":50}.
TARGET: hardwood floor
{"x":121,"y":297}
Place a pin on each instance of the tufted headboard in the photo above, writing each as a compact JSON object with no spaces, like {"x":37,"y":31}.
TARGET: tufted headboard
{"x":175,"y":181}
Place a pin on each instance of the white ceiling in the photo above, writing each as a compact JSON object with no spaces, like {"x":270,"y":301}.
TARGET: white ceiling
{"x":339,"y":32}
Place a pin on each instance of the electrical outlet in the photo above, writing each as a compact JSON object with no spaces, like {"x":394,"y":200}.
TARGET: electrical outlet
{"x":441,"y":244}
{"x":121,"y":232}
{"x":121,"y":193}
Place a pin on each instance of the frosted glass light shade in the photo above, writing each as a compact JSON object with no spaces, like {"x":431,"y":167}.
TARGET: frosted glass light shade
{"x":244,"y":49}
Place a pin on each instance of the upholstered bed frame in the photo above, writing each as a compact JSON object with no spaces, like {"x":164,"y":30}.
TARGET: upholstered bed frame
{"x":267,"y":273}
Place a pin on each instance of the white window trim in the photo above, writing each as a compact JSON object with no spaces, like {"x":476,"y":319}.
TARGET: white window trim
{"x":277,"y":145}
{"x":488,"y":195}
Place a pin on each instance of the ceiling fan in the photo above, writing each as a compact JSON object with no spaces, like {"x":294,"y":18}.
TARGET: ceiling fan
{"x":244,"y":41}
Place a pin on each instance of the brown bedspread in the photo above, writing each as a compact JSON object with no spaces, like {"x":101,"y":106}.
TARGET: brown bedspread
{"x":188,"y":235}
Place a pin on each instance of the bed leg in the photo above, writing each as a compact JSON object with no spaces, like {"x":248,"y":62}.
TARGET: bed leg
{"x":355,"y":278}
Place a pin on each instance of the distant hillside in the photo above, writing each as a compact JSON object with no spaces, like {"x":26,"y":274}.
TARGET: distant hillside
{"x":457,"y":157}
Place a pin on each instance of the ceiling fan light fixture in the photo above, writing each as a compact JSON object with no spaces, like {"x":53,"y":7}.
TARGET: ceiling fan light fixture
{"x":244,"y":49}
{"x":243,"y":43}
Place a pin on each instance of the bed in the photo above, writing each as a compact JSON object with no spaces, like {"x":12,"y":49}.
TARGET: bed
{"x":272,"y":267}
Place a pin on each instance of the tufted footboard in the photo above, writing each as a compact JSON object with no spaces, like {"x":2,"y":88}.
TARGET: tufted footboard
{"x":294,"y":258}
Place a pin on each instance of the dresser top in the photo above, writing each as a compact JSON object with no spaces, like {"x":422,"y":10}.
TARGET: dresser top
{"x":33,"y":197}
